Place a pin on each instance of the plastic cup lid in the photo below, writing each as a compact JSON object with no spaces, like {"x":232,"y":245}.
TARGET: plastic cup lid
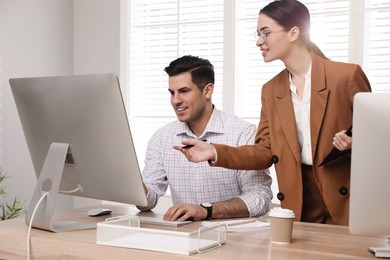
{"x":281,"y":213}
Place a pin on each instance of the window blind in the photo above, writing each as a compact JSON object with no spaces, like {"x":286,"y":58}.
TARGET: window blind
{"x":329,"y":30}
{"x":161,"y":31}
{"x":376,"y":51}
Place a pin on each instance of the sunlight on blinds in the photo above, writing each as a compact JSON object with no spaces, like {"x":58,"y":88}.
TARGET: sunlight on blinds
{"x":330,"y":27}
{"x":329,"y":30}
{"x":377,"y":44}
{"x":161,"y":31}
{"x":250,"y":70}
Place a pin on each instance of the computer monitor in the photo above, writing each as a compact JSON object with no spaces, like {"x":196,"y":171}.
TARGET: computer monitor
{"x":370,"y":165}
{"x":79,"y":141}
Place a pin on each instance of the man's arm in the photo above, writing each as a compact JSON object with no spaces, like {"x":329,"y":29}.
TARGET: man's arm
{"x":234,"y":208}
{"x":254,"y":200}
{"x":154,"y":176}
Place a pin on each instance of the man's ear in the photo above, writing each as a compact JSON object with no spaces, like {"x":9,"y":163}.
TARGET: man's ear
{"x":208,"y":90}
{"x":294,"y":33}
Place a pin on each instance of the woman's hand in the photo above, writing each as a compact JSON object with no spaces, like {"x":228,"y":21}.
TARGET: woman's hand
{"x":342,"y":141}
{"x":197,"y":150}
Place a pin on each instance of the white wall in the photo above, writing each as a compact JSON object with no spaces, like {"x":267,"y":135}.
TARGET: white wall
{"x":46,"y":38}
{"x":96,"y":46}
{"x":96,"y":36}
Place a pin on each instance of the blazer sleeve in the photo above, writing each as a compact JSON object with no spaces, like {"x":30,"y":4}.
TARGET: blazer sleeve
{"x":248,"y":157}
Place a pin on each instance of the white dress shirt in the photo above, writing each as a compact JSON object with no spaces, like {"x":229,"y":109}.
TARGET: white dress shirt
{"x":302,"y":117}
{"x":195,"y":183}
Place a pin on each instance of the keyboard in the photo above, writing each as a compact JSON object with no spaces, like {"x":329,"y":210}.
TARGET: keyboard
{"x":160,"y":221}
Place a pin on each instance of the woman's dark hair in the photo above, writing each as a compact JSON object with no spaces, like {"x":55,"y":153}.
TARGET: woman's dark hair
{"x":290,"y":13}
{"x":201,"y":70}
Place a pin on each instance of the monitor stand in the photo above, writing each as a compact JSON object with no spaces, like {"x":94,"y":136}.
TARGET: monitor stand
{"x":381,"y":251}
{"x":49,"y":181}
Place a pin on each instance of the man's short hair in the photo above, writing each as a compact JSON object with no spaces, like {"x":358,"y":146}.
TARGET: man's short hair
{"x":201,"y":70}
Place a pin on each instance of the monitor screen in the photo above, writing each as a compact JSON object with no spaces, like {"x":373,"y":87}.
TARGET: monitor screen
{"x":79,"y":140}
{"x":370,"y":165}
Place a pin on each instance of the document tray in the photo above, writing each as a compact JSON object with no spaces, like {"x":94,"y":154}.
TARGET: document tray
{"x":126,"y":232}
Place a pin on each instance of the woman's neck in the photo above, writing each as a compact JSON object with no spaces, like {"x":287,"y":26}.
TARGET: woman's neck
{"x":298,"y":63}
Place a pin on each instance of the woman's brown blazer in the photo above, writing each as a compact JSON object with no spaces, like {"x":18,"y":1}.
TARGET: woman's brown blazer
{"x":334,"y":85}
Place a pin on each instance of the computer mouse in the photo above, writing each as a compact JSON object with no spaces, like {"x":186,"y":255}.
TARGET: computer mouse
{"x":98,"y":212}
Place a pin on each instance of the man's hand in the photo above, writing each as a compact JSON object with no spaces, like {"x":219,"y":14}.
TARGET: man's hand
{"x":197,"y":151}
{"x":184,"y":211}
{"x":233,"y":208}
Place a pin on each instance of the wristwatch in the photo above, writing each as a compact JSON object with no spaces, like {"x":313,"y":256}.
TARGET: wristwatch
{"x":209,"y":207}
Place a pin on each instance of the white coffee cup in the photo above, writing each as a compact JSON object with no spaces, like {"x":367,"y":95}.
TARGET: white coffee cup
{"x":281,"y":225}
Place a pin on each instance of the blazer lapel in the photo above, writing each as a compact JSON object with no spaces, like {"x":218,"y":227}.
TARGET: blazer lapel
{"x":286,"y":113}
{"x":319,"y":97}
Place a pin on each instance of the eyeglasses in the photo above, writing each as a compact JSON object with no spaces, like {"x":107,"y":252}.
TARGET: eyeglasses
{"x":264,"y":34}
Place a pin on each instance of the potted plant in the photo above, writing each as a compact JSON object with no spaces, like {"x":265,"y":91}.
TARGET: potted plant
{"x":8,"y":210}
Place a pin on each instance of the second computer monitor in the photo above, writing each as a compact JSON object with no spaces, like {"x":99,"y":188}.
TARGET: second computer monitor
{"x":370,"y":165}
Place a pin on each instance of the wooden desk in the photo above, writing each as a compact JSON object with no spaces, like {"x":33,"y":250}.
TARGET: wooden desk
{"x":310,"y":241}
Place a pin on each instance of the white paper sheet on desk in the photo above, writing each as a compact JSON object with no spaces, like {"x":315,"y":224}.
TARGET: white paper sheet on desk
{"x":239,"y":225}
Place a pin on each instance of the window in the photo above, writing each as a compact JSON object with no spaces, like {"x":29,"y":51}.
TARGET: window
{"x":376,"y":42}
{"x":161,"y":31}
{"x":222,"y":31}
{"x":328,"y":17}
{"x":1,"y":97}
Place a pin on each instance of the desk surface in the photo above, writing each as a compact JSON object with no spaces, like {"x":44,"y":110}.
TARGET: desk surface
{"x":310,"y":241}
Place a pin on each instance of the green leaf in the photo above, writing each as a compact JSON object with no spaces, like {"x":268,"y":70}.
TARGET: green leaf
{"x":7,"y":210}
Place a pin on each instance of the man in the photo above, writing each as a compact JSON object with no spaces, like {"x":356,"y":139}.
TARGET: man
{"x":199,"y":191}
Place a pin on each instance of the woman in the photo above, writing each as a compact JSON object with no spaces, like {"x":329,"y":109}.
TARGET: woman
{"x":305,"y":112}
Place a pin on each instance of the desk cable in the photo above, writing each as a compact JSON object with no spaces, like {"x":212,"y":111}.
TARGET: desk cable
{"x":31,"y":221}
{"x":78,"y":188}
